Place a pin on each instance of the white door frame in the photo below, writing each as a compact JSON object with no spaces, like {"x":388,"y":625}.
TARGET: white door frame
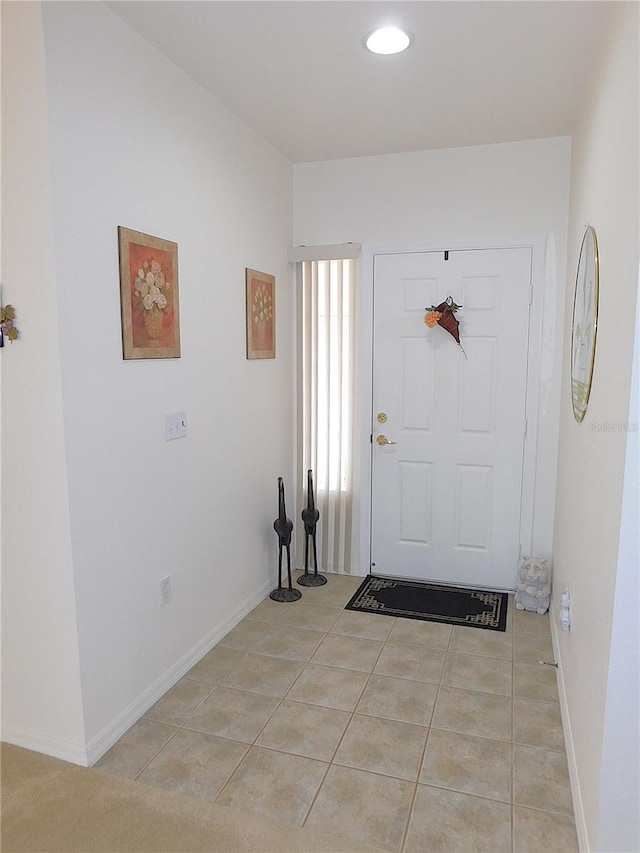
{"x":364,"y":307}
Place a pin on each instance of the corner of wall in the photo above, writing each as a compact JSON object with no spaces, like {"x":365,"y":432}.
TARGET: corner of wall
{"x":574,"y":776}
{"x":41,"y":691}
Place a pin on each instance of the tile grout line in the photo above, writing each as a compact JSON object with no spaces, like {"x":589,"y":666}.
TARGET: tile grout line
{"x":370,"y":675}
{"x":275,"y":710}
{"x":181,"y":727}
{"x":136,"y":778}
{"x":178,"y":728}
{"x":449,"y":650}
{"x":278,"y":706}
{"x":405,"y":834}
{"x":341,"y":739}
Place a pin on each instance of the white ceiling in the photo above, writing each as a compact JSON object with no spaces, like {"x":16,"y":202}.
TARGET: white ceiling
{"x":296,"y":71}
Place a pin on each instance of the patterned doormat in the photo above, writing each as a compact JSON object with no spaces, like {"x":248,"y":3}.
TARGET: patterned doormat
{"x":432,"y":603}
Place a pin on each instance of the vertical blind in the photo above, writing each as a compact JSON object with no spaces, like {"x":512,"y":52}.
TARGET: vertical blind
{"x":326,"y":357}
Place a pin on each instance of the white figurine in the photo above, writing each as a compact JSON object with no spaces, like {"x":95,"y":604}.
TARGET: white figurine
{"x":533,"y":589}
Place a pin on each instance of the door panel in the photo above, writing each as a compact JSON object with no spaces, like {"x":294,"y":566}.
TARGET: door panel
{"x":446,"y":495}
{"x":473,"y":503}
{"x":415,"y":501}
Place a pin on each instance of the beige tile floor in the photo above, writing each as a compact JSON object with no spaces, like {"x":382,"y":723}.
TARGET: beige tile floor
{"x":394,"y":733}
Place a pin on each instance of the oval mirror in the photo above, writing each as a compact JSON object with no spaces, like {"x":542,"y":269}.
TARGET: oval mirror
{"x":585,"y":324}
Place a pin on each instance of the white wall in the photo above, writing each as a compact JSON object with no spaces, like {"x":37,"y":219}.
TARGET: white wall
{"x":41,"y":698}
{"x":135,"y":142}
{"x":604,"y":193}
{"x":453,"y":196}
{"x":619,"y":816}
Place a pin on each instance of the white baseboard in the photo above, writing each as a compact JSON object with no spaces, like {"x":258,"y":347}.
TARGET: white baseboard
{"x":118,"y":726}
{"x":75,"y":753}
{"x":576,"y":794}
{"x":86,"y":755}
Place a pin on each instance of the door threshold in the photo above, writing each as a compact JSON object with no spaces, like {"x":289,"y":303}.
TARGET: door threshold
{"x":442,"y":583}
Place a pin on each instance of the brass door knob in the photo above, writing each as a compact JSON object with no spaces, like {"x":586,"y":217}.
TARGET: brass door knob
{"x":382,"y":440}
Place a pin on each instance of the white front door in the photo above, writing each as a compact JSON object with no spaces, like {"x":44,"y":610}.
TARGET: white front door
{"x":446,"y":496}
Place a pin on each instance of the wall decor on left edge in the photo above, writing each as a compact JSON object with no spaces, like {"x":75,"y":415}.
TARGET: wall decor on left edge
{"x":261,"y":314}
{"x":148,"y":296}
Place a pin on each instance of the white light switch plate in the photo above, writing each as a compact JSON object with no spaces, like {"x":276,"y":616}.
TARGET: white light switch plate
{"x":175,"y":425}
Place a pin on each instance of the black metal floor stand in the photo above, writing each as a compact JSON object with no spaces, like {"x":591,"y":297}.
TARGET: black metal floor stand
{"x":283,"y":527}
{"x":310,"y":517}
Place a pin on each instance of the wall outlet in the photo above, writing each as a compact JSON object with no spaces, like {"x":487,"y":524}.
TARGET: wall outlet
{"x":175,"y":425}
{"x":165,"y":590}
{"x":565,"y":609}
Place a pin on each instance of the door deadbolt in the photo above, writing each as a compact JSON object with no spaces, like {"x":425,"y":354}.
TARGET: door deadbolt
{"x":382,"y":417}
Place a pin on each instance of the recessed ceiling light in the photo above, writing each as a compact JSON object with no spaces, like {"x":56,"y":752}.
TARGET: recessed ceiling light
{"x":388,"y":40}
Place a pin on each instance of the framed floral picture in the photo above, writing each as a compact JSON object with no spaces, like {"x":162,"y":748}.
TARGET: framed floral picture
{"x":261,"y":314}
{"x":148,"y":296}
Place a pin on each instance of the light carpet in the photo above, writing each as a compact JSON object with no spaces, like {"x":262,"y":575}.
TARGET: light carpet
{"x":49,"y":805}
